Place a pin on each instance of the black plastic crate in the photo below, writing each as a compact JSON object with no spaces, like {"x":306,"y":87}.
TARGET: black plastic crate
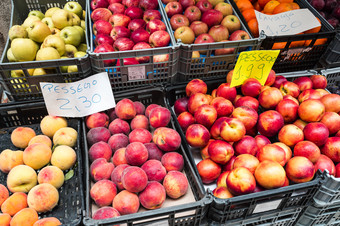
{"x":301,"y":57}
{"x":27,"y":87}
{"x":328,"y":193}
{"x":210,"y":66}
{"x":71,"y":197}
{"x":331,"y":58}
{"x":332,"y":75}
{"x":192,"y":213}
{"x":151,"y":74}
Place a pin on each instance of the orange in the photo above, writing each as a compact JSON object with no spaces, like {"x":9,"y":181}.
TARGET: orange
{"x":244,"y":4}
{"x":254,"y":27}
{"x":288,"y":1}
{"x":270,"y":6}
{"x":320,"y":41}
{"x":279,"y":45}
{"x":294,"y":5}
{"x":282,"y":7}
{"x":262,"y":3}
{"x":297,"y":43}
{"x":314,"y":30}
{"x":248,"y":14}
{"x":257,"y":6}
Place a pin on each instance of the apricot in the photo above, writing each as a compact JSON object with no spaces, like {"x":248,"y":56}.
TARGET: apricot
{"x":41,"y":139}
{"x":21,"y":179}
{"x":14,"y":203}
{"x":9,"y":159}
{"x":48,"y":221}
{"x":5,"y":218}
{"x":50,"y":124}
{"x":4,"y":194}
{"x":27,"y":216}
{"x":52,"y":175}
{"x":43,"y":197}
{"x":63,"y":157}
{"x":37,"y":155}
{"x":65,"y":136}
{"x":21,"y":136}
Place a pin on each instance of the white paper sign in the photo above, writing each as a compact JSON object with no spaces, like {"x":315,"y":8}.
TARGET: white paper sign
{"x":136,"y":73}
{"x":287,"y":23}
{"x":78,"y":99}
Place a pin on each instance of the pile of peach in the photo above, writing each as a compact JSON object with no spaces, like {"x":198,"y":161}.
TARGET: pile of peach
{"x":129,"y":164}
{"x":38,"y":155}
{"x":301,"y":119}
{"x":271,"y":7}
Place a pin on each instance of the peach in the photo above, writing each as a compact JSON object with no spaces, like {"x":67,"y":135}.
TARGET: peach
{"x":100,"y":169}
{"x":125,"y":109}
{"x":223,"y":106}
{"x":289,"y":97}
{"x":322,"y":92}
{"x":116,"y":175}
{"x":37,"y":155}
{"x":140,"y":121}
{"x":117,"y":141}
{"x":299,"y":169}
{"x":185,"y":119}
{"x":215,"y":129}
{"x":105,"y":212}
{"x":4,"y":194}
{"x":261,"y":141}
{"x":100,"y":149}
{"x":204,"y":151}
{"x":304,"y":83}
{"x":153,"y":151}
{"x":270,"y":174}
{"x":181,"y":105}
{"x":332,"y":148}
{"x":287,"y":149}
{"x":270,"y":97}
{"x":195,"y":101}
{"x":26,"y":216}
{"x":247,"y":145}
{"x":251,"y":87}
{"x":5,"y":219}
{"x":271,"y":78}
{"x":153,"y":196}
{"x":126,"y":202}
{"x":290,"y":135}
{"x":21,"y":179}
{"x":252,"y":131}
{"x":65,"y":136}
{"x":50,"y":124}
{"x":172,"y":161}
{"x":197,"y":135}
{"x":136,"y":154}
{"x":47,"y":221}
{"x":134,"y":179}
{"x":64,"y":157}
{"x":140,"y":107}
{"x":140,"y":135}
{"x":98,"y":134}
{"x":247,"y":161}
{"x":43,"y":197}
{"x":331,"y":102}
{"x":300,"y":123}
{"x":208,"y":170}
{"x":269,"y":123}
{"x":98,"y":119}
{"x":325,"y":163}
{"x":246,"y":115}
{"x":220,"y":151}
{"x":52,"y":175}
{"x":154,"y":170}
{"x":41,"y":139}
{"x":316,"y":132}
{"x":9,"y":159}
{"x":224,"y":90}
{"x":112,"y":114}
{"x":337,"y":170}
{"x":196,"y":86}
{"x":311,"y":110}
{"x":159,"y":117}
{"x":222,"y":179}
{"x":119,"y":157}
{"x":222,"y":193}
{"x":241,"y":181}
{"x":149,"y":109}
{"x":166,"y":139}
{"x":21,"y":136}
{"x":14,"y":203}
{"x":205,"y":115}
{"x":247,"y":102}
{"x":103,"y":192}
{"x":309,"y":94}
{"x":119,"y":126}
{"x":307,"y":149}
{"x":331,"y":121}
{"x":272,"y":152}
{"x":290,"y":88}
{"x":230,"y":164}
{"x":319,"y":81}
{"x":232,"y":129}
{"x":288,"y":109}
{"x":176,"y":184}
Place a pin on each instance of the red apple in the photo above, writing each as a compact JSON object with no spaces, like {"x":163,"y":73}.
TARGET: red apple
{"x":239,"y":35}
{"x":225,"y":8}
{"x":151,"y":14}
{"x":136,"y":24}
{"x":148,"y":4}
{"x":155,"y":25}
{"x":173,"y":8}
{"x":101,"y":14}
{"x":204,"y":5}
{"x":186,"y":3}
{"x":142,"y":45}
{"x":159,"y":39}
{"x":203,"y":39}
{"x":99,"y":4}
{"x":140,"y":35}
{"x":185,"y":34}
{"x":134,"y":12}
{"x":102,"y":27}
{"x":104,"y":48}
{"x":224,"y":51}
{"x":231,"y":22}
{"x":212,"y":17}
{"x":117,"y":8}
{"x":198,"y":27}
{"x":123,"y":44}
{"x":119,"y":20}
{"x":193,"y":13}
{"x":178,"y":20}
{"x":103,"y":38}
{"x":120,"y":32}
{"x":219,"y":33}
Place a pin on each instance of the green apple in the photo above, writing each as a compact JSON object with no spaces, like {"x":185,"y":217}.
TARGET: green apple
{"x":29,"y":21}
{"x":63,"y":68}
{"x":74,"y":7}
{"x":79,"y":54}
{"x":50,"y":11}
{"x":48,"y":21}
{"x":75,"y":19}
{"x":82,"y":47}
{"x":17,"y":31}
{"x":83,"y":15}
{"x":36,"y":13}
{"x":24,"y":49}
{"x":55,"y":42}
{"x":72,"y":68}
{"x":70,"y":50}
{"x":81,"y":33}
{"x":40,"y":71}
{"x":10,"y":56}
{"x":55,"y":31}
{"x":38,"y":31}
{"x":83,"y":25}
{"x":62,"y":18}
{"x":48,"y":53}
{"x":70,"y":35}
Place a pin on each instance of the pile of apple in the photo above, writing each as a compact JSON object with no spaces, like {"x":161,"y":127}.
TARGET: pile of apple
{"x":235,"y":138}
{"x":57,"y":34}
{"x":329,"y":9}
{"x":129,"y":164}
{"x":122,"y":25}
{"x":205,"y":21}
{"x":35,"y":174}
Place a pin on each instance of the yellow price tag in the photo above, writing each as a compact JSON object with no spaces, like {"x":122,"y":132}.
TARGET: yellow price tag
{"x":253,"y":64}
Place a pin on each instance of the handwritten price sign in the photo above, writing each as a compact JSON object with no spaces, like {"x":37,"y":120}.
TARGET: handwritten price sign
{"x":78,"y":99}
{"x":287,"y":23}
{"x":253,"y":64}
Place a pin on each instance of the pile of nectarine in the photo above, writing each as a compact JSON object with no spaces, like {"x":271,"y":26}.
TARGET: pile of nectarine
{"x":37,"y":171}
{"x":253,"y":137}
{"x":134,"y":159}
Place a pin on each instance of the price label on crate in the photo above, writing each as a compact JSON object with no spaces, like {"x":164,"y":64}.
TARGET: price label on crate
{"x":78,"y":99}
{"x":287,"y":23}
{"x":136,"y":73}
{"x":253,"y":64}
